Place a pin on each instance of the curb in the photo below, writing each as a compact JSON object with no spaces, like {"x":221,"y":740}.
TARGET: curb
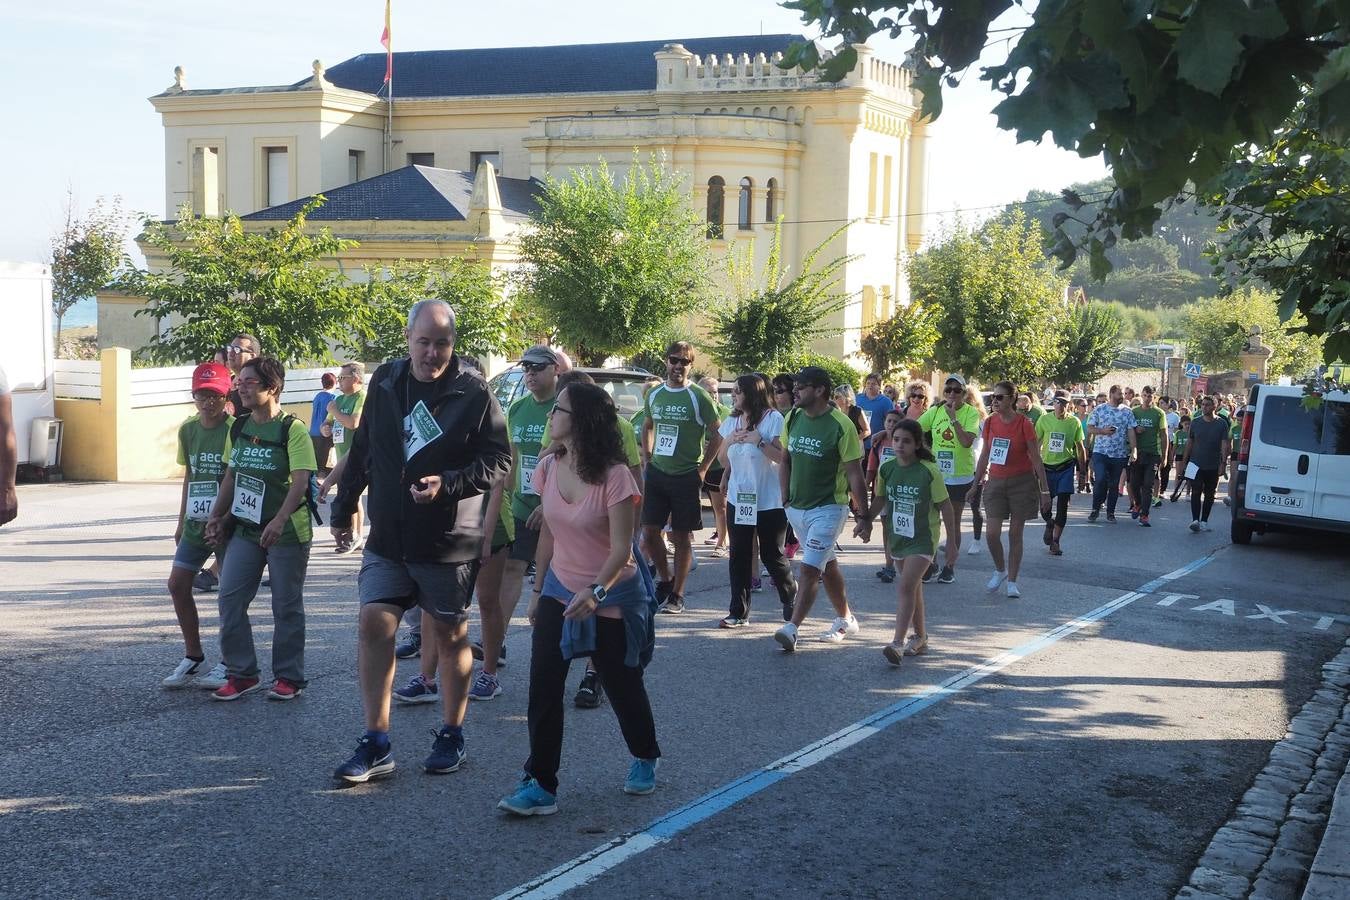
{"x":1267,"y":848}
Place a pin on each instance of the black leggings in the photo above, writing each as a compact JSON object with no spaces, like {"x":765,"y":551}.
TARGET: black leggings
{"x":1061,"y":510}
{"x":1206,"y":482}
{"x":771,"y":525}
{"x":548,"y":680}
{"x":976,"y":498}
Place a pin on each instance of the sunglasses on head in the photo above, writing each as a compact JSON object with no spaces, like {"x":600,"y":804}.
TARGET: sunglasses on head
{"x":536,"y":367}
{"x":679,"y":361}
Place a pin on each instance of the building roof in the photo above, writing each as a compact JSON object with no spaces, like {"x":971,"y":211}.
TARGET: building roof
{"x":562,"y":69}
{"x":412,"y":193}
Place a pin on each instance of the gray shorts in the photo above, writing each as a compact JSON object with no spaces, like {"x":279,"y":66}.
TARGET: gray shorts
{"x":526,"y":543}
{"x":444,"y":590}
{"x":191,"y":557}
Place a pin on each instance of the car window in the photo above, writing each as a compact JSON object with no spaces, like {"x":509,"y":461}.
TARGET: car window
{"x":1286,"y":423}
{"x":1337,"y":428}
{"x":504,"y":386}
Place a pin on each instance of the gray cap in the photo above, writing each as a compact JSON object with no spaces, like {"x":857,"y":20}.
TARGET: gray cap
{"x":540,"y":354}
{"x":955,"y":377}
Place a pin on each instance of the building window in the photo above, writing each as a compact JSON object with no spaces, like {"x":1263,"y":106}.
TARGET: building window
{"x":886,"y":188}
{"x":485,"y":156}
{"x":716,"y":190}
{"x":743,"y":208}
{"x":422,"y":159}
{"x":356,"y":165}
{"x":872,"y":186}
{"x":277,"y":171}
{"x":771,"y":201}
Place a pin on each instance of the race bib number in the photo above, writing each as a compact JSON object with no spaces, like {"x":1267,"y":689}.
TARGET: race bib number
{"x":1056,"y":443}
{"x":998,"y":451}
{"x":419,"y":429}
{"x":201,"y":497}
{"x":248,"y":498}
{"x":886,"y":453}
{"x":527,"y":466}
{"x":747,"y":508}
{"x":902,"y":518}
{"x":946,"y":460}
{"x":339,"y":432}
{"x":666,"y":438}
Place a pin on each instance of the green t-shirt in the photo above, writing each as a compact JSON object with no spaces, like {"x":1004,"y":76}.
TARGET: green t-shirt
{"x":351,"y":405}
{"x":1182,"y":438}
{"x":203,"y":451}
{"x":627,"y":440}
{"x":636,"y":421}
{"x":266,"y":469}
{"x":1034,"y":413}
{"x":722,"y":412}
{"x":680,"y":421}
{"x":819,"y":447}
{"x":527,"y":426}
{"x":953,"y":460}
{"x":914,"y":493}
{"x":1058,"y":438}
{"x":1152,"y":421}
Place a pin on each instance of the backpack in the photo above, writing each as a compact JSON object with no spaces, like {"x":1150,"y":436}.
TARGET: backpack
{"x":312,"y":491}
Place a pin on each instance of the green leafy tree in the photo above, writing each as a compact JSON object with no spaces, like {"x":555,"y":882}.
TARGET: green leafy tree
{"x":1218,"y":328}
{"x":86,"y":254}
{"x":610,"y":266}
{"x":903,"y":342}
{"x":1091,"y":343}
{"x":840,"y":371}
{"x":1164,"y":90}
{"x":1000,"y":307}
{"x":219,"y":279}
{"x":487,"y":321}
{"x":770,"y":318}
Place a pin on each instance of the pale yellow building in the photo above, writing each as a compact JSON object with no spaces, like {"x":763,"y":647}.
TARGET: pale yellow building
{"x":755,"y":142}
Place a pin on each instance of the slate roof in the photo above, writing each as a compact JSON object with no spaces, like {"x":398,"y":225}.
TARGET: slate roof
{"x":412,"y":193}
{"x":563,"y":69}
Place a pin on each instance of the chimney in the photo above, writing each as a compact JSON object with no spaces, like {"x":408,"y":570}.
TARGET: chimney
{"x":485,"y":204}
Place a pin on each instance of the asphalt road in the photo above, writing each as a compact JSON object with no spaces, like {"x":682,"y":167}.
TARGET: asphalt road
{"x":1095,"y":760}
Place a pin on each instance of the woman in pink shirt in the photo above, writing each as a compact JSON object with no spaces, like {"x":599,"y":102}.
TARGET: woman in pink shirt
{"x":590,"y":600}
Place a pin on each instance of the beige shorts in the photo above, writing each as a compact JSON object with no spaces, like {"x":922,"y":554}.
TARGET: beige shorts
{"x":1018,"y":497}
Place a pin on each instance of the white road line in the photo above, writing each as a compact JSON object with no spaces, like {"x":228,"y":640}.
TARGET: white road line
{"x":590,"y":865}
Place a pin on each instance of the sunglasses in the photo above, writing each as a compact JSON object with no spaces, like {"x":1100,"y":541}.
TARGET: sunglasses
{"x":236,"y":350}
{"x":679,"y":361}
{"x":918,"y":396}
{"x":998,"y":396}
{"x":535,"y":367}
{"x":953,"y":390}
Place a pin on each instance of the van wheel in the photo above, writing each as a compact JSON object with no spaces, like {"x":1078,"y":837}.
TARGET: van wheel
{"x":1241,"y":533}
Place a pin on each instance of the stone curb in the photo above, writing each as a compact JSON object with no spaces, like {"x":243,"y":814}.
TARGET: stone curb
{"x":1266,"y":850}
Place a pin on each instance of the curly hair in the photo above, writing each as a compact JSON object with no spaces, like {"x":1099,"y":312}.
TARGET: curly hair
{"x":595,"y":431}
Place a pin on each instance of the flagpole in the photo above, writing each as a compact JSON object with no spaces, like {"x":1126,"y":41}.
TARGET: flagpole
{"x":388,"y":41}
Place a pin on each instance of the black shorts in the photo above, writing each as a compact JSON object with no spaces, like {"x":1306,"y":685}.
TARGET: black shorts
{"x":957,"y":493}
{"x":525,"y":544}
{"x":674,"y":499}
{"x":712,"y":482}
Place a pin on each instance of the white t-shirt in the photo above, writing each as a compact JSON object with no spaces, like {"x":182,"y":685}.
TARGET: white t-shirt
{"x":4,"y":382}
{"x":750,"y":468}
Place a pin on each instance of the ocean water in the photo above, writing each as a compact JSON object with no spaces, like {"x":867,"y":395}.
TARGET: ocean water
{"x":84,"y":312}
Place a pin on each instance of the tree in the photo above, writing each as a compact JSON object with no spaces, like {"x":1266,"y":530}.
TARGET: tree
{"x":86,"y":254}
{"x":487,"y":321}
{"x":1091,"y":342}
{"x":1165,"y":90}
{"x":771,"y":318}
{"x":1000,"y":308}
{"x":220,"y":279}
{"x":1217,"y":329}
{"x":903,"y":342}
{"x":609,"y":267}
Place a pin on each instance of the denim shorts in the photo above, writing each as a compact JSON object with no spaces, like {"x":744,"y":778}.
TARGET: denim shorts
{"x":191,"y":557}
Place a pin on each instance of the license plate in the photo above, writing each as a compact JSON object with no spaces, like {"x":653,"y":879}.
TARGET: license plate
{"x":1288,"y":502}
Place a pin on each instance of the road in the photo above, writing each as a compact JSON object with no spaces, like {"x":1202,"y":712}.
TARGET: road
{"x":1084,"y":740}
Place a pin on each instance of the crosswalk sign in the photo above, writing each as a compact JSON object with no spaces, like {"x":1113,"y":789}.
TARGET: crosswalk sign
{"x":1192,"y":370}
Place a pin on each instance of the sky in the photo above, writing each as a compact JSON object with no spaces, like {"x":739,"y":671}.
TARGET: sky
{"x":79,"y":73}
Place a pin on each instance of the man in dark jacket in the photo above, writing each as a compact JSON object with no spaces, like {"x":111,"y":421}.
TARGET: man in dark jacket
{"x":430,"y":446}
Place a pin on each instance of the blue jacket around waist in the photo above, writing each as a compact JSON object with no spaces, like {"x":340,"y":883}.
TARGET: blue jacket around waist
{"x":636,"y":599}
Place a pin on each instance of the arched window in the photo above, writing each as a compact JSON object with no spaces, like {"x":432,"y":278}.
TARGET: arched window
{"x":743,"y":212}
{"x":716,"y":189}
{"x":771,"y":201}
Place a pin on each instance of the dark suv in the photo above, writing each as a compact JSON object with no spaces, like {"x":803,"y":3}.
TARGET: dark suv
{"x":624,"y":385}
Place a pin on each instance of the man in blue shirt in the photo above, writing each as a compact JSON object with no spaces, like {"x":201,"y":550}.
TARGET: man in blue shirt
{"x":875,"y":404}
{"x":1112,"y":426}
{"x":317,"y":415}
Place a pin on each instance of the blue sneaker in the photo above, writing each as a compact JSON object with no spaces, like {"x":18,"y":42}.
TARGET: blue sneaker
{"x":641,"y":777}
{"x":447,"y":753}
{"x":529,"y":800}
{"x":369,"y":761}
{"x":485,"y":687}
{"x":417,"y":690}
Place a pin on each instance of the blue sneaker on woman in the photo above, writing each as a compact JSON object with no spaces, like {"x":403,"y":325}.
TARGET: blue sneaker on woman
{"x":641,"y":777}
{"x":529,"y":800}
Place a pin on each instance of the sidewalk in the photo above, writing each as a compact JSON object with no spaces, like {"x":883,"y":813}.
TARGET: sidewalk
{"x":1330,"y":876}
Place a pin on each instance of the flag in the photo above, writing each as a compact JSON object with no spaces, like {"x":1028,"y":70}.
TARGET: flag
{"x":387,"y":43}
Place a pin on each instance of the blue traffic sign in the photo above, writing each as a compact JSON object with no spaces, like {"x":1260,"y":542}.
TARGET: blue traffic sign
{"x":1192,"y":370}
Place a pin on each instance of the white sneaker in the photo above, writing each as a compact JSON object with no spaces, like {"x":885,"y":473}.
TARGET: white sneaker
{"x":916,"y":644}
{"x":995,"y":580}
{"x":1204,"y":526}
{"x":1012,"y":589}
{"x":839,"y":628}
{"x":1195,"y":526}
{"x":215,"y":679}
{"x":787,"y":637}
{"x":183,"y":674}
{"x":974,"y":549}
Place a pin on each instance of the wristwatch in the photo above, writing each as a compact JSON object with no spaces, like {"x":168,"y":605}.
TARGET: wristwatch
{"x":598,"y":591}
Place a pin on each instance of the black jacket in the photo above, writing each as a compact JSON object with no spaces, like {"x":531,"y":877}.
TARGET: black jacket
{"x":471,"y":455}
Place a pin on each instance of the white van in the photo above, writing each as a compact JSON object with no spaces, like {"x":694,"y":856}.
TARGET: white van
{"x":26,"y":344}
{"x":1293,"y":463}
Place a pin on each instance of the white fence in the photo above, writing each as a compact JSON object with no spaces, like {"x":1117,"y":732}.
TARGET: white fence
{"x":171,"y":386}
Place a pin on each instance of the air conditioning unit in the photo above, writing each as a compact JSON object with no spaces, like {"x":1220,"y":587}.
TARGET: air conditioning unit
{"x":44,"y":442}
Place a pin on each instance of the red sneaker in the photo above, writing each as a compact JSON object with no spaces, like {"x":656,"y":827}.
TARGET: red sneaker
{"x":283,"y":690}
{"x":235,"y":687}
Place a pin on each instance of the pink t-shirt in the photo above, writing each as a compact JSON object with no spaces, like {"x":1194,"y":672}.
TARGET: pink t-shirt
{"x":581,"y":530}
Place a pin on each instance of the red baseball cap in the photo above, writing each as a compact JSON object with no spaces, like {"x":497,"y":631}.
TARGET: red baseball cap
{"x":213,"y":377}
